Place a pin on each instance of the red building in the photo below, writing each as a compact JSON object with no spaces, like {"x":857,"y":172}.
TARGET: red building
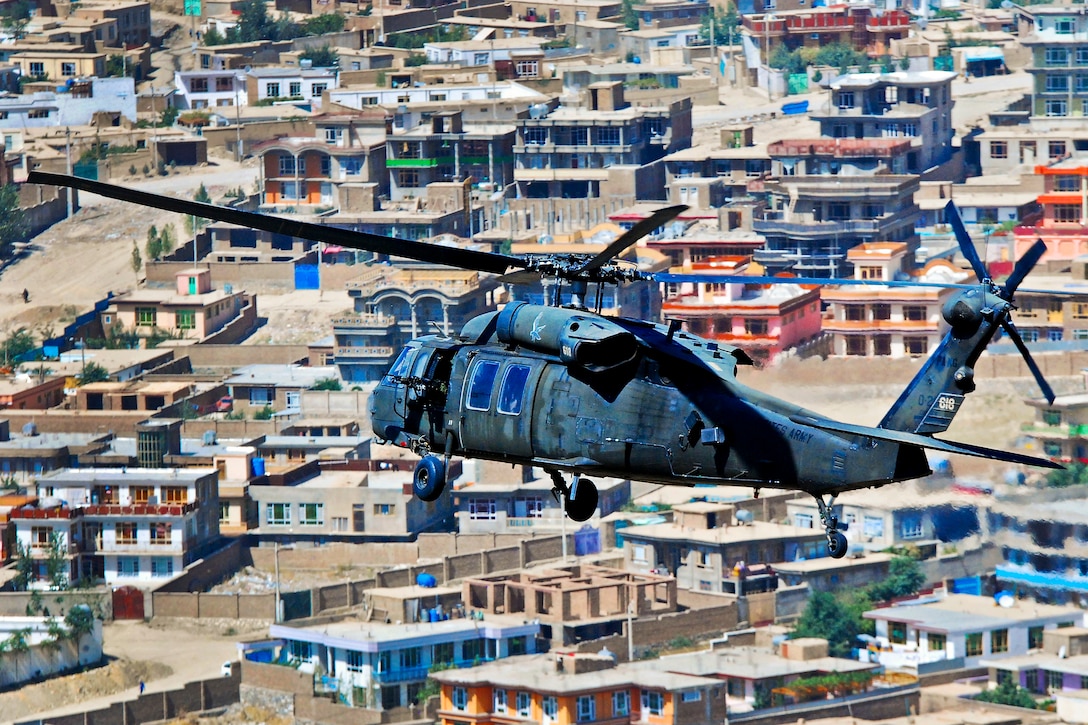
{"x":1064,"y":223}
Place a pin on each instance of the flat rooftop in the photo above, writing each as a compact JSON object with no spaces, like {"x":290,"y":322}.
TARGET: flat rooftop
{"x":755,"y":531}
{"x":376,"y":636}
{"x":964,"y":612}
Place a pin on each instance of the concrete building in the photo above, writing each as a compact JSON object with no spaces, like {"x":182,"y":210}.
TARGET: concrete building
{"x":271,"y":84}
{"x":51,"y":649}
{"x":394,"y":304}
{"x":889,"y":321}
{"x":489,"y":52}
{"x":347,"y":505}
{"x":912,"y":105}
{"x":963,"y":629}
{"x":1056,"y":38}
{"x":568,"y":687}
{"x":69,"y":104}
{"x":192,"y":311}
{"x":1063,"y":222}
{"x":124,"y":525}
{"x":209,"y":89}
{"x":708,"y":552}
{"x":385,"y":666}
{"x":131,"y":17}
{"x":1057,"y":664}
{"x":1060,"y":429}
{"x":832,"y":575}
{"x":255,"y":386}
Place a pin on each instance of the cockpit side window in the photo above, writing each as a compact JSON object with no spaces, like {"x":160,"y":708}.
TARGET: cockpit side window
{"x":402,"y":364}
{"x":513,"y":389}
{"x":479,"y":389}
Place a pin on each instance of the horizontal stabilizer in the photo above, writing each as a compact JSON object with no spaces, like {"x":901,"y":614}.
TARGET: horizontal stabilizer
{"x":913,"y":439}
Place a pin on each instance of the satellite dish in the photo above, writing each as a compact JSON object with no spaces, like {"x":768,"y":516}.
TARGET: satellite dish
{"x":1005,"y":599}
{"x":1006,"y":4}
{"x":922,"y":23}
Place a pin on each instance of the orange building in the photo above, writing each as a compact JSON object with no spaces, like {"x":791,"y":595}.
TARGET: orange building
{"x":567,"y":687}
{"x":1064,"y":226}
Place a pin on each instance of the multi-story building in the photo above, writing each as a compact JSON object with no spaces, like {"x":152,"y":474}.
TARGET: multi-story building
{"x":569,"y":687}
{"x":487,"y":100}
{"x":765,"y":321}
{"x":572,"y":162}
{"x":385,"y":666}
{"x":1055,"y":36}
{"x":964,"y":628}
{"x":253,"y":387}
{"x":708,"y":552}
{"x":132,"y":18}
{"x":488,"y":52}
{"x":394,"y":304}
{"x":193,"y":310}
{"x":209,"y":89}
{"x":854,"y":25}
{"x":1064,"y":221}
{"x":446,"y":149}
{"x":893,"y":322}
{"x":60,"y":64}
{"x":708,"y":177}
{"x":916,"y":106}
{"x":123,"y":525}
{"x":271,"y":84}
{"x":1060,"y":429}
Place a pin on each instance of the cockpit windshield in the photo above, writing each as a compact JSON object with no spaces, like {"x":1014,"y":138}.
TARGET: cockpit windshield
{"x":401,"y":366}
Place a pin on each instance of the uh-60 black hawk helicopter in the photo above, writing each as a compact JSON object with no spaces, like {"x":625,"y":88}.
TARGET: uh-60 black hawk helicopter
{"x":578,"y":393}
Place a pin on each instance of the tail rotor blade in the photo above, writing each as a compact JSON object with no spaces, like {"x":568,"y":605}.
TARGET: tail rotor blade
{"x":1014,"y":335}
{"x":1023,"y":266}
{"x":967,"y":247}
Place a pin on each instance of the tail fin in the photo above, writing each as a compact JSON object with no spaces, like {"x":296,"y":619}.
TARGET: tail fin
{"x":934,"y":396}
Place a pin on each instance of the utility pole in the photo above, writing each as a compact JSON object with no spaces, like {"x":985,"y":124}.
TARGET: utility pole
{"x":68,"y":160}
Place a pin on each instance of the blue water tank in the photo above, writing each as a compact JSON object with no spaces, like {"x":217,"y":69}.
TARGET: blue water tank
{"x":424,"y":579}
{"x":258,"y":466}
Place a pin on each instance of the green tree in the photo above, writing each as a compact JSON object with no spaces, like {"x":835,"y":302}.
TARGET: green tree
{"x":80,"y":621}
{"x":117,"y":66}
{"x":16,"y":15}
{"x":323,"y":57}
{"x":725,"y":25}
{"x":194,"y":224}
{"x":168,"y":116}
{"x":24,"y":567}
{"x":1074,"y":474}
{"x":137,"y":260}
{"x":168,"y":238}
{"x":18,"y":643}
{"x":322,"y":24}
{"x":57,"y":568}
{"x":1008,"y":693}
{"x":827,"y":617}
{"x":327,"y":384}
{"x":904,"y":578}
{"x":628,"y":14}
{"x":93,"y":373}
{"x":153,"y":247}
{"x":17,"y":343}
{"x":13,"y":225}
{"x":264,"y":413}
{"x":212,"y":36}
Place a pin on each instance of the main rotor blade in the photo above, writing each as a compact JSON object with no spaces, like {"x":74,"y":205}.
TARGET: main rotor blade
{"x":967,"y":247}
{"x":819,"y":281}
{"x":1014,"y":335}
{"x":632,"y":235}
{"x":1023,"y":266}
{"x":420,"y":251}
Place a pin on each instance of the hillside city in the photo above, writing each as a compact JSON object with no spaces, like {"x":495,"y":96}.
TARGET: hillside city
{"x":198,"y":523}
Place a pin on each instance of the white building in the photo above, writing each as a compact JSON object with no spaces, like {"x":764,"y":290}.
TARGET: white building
{"x":124,"y":525}
{"x":72,"y":105}
{"x":383,"y":666}
{"x":482,"y":52}
{"x":209,"y":89}
{"x":300,"y":84}
{"x":965,"y":629}
{"x":500,"y":91}
{"x":50,"y":648}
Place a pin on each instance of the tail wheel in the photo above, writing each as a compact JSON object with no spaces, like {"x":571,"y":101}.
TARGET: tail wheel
{"x":581,"y":501}
{"x":429,"y":479}
{"x":837,"y":545}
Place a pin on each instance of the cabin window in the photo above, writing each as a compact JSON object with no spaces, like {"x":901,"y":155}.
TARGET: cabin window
{"x":483,"y":378}
{"x":513,"y":389}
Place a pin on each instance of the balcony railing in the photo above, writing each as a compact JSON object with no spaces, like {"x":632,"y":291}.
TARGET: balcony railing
{"x":848,"y":226}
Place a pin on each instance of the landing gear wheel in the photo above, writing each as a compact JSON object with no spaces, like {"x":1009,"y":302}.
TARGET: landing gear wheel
{"x":429,"y":479}
{"x":581,"y":499}
{"x":837,"y":545}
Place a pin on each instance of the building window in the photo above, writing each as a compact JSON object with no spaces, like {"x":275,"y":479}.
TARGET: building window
{"x":482,"y":509}
{"x":1056,"y":148}
{"x":524,"y":704}
{"x":653,"y":703}
{"x":1057,"y":56}
{"x":755,"y":326}
{"x":459,"y":698}
{"x":1057,"y":84}
{"x":1053,"y":681}
{"x":587,"y":708}
{"x":1063,"y":26}
{"x":916,"y":345}
{"x":224,"y":512}
{"x":67,"y":69}
{"x":999,"y":641}
{"x":1067,"y":182}
{"x":527,"y":68}
{"x":125,"y":532}
{"x":911,"y":526}
{"x":1035,"y":637}
{"x":999,"y":149}
{"x":1067,"y":213}
{"x":550,"y":706}
{"x":39,"y":537}
{"x":278,"y":514}
{"x":287,"y":165}
{"x":536,"y":136}
{"x":853,"y":313}
{"x":914,"y":313}
{"x":311,"y":514}
{"x":261,"y":396}
{"x":873,"y":527}
{"x":325,"y":166}
{"x":128,"y":566}
{"x":37,"y":68}
{"x":272,"y":90}
{"x":1057,"y":107}
{"x":973,"y":647}
{"x":621,"y":703}
{"x":442,"y":653}
{"x":161,"y":533}
{"x":691,"y":696}
{"x":384,"y":509}
{"x":317,"y":89}
{"x":897,"y":632}
{"x":856,"y":346}
{"x":185,"y":319}
{"x":294,"y":89}
{"x":162,"y":566}
{"x":846,"y":99}
{"x":937,"y":642}
{"x":145,"y":316}
{"x":355,"y":661}
{"x":608,"y":136}
{"x":411,"y":657}
{"x":500,"y":700}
